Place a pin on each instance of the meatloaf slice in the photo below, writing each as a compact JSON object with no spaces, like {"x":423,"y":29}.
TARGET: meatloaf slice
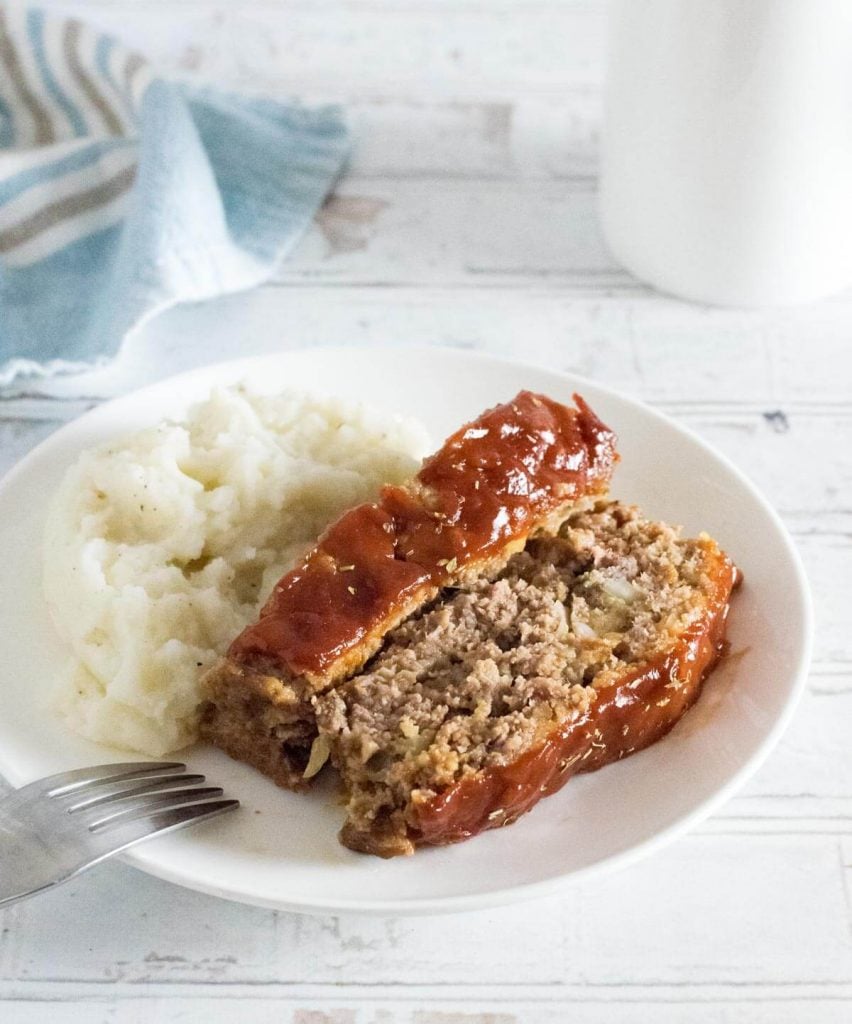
{"x":514,"y":472}
{"x":586,"y":647}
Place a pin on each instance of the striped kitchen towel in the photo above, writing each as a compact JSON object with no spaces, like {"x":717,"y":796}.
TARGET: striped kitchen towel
{"x":122,"y":194}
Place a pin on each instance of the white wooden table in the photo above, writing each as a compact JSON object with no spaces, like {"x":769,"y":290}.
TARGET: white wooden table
{"x":467,"y":218}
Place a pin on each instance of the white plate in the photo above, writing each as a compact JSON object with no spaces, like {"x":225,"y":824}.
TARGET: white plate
{"x":280,"y":850}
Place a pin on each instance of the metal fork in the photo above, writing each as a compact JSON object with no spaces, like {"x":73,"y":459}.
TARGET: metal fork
{"x":57,"y":827}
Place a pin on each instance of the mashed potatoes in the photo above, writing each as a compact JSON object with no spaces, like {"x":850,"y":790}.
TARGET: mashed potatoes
{"x":162,"y":546}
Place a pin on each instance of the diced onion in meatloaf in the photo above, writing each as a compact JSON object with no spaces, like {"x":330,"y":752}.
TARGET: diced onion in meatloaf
{"x":587,"y":646}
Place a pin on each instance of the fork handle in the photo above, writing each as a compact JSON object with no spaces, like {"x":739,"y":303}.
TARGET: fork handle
{"x":28,"y":865}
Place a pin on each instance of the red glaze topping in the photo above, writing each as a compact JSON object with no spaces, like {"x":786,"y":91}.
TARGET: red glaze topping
{"x":629,"y":715}
{"x":489,"y":484}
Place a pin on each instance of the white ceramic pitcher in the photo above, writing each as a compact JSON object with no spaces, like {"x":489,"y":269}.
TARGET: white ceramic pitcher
{"x":727,"y":147}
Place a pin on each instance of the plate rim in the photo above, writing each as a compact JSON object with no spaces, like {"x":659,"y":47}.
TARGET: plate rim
{"x":526,"y":890}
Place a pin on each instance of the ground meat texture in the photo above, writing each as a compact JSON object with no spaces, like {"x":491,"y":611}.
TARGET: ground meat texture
{"x":513,"y":473}
{"x":490,"y":672}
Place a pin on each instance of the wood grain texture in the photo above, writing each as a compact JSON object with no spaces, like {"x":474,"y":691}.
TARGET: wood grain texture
{"x":716,"y":881}
{"x":468,"y":219}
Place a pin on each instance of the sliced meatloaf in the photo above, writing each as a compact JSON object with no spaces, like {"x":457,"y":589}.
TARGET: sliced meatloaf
{"x":514,"y":472}
{"x":586,"y":647}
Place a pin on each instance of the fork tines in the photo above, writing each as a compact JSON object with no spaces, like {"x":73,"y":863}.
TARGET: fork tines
{"x":119,"y":793}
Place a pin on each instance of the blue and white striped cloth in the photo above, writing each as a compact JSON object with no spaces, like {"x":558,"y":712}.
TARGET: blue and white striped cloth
{"x":122,"y":194}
